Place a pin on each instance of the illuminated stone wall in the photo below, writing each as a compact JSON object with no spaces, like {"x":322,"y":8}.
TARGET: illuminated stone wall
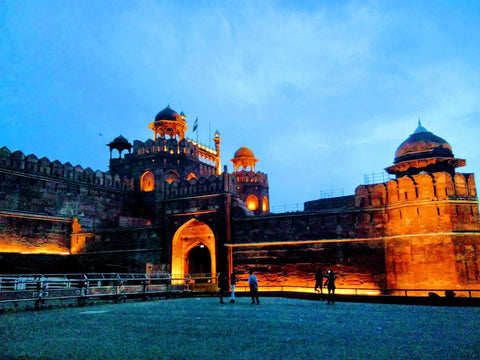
{"x":19,"y":234}
{"x":356,"y":264}
{"x":39,"y":198}
{"x":287,"y":249}
{"x":419,"y":231}
{"x":431,"y":225}
{"x":252,"y":188}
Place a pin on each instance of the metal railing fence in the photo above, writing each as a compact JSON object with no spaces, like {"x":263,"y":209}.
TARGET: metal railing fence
{"x":43,"y":288}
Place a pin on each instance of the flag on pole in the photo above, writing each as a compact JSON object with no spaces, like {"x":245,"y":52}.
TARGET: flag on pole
{"x":195,"y":124}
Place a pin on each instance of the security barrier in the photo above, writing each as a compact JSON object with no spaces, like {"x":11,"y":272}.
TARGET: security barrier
{"x":41,"y":289}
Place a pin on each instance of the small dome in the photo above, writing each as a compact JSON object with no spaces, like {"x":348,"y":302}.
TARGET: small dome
{"x":120,"y":139}
{"x":120,"y":143}
{"x":167,"y":114}
{"x":422,"y":144}
{"x":243,"y":152}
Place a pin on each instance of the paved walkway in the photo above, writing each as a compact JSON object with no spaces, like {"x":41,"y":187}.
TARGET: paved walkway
{"x":201,"y":328}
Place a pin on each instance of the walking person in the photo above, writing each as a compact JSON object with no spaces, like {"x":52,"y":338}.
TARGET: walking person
{"x":253,"y":283}
{"x":233,"y":281}
{"x":330,"y":284}
{"x":319,"y":281}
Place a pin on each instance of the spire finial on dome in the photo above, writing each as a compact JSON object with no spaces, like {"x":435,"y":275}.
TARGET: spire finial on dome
{"x":420,"y":128}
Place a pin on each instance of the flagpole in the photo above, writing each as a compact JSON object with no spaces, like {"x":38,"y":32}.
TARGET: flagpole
{"x":195,"y":127}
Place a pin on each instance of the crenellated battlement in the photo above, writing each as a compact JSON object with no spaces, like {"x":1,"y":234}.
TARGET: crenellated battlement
{"x":424,"y":186}
{"x":201,"y":186}
{"x":251,"y":177}
{"x":172,"y":146}
{"x":31,"y":164}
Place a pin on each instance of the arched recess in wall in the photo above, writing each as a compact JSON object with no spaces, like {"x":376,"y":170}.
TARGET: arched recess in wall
{"x":265,"y":205}
{"x":191,"y":176}
{"x":172,"y":176}
{"x":193,"y":249}
{"x":252,"y":202}
{"x":147,"y":181}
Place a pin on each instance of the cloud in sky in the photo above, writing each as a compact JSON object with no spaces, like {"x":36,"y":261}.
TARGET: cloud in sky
{"x":321,"y":92}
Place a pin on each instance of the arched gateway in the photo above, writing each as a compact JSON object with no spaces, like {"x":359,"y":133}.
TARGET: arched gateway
{"x":193,"y":250}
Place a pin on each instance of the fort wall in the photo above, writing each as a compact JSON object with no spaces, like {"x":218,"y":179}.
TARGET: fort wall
{"x":287,"y":249}
{"x":418,"y":231}
{"x":39,"y":198}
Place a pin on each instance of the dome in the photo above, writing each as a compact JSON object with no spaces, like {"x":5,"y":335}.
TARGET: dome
{"x":244,"y":159}
{"x":167,"y":114}
{"x":120,"y":143}
{"x":422,"y":144}
{"x":120,"y":140}
{"x":243,"y":152}
{"x":424,"y":152}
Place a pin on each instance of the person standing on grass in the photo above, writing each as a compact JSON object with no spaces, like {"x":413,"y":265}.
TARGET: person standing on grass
{"x":222,"y":286}
{"x":233,"y":281}
{"x":253,"y":283}
{"x":319,"y":281}
{"x":330,"y":284}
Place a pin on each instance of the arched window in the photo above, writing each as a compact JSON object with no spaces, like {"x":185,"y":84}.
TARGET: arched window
{"x":147,"y":181}
{"x":265,"y":204}
{"x":252,"y":202}
{"x":172,"y":176}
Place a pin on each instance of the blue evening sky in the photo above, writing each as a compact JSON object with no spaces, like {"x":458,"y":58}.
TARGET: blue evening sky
{"x":322,"y":92}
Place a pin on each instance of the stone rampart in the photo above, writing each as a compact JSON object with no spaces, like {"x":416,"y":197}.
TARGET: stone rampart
{"x":43,"y":167}
{"x":173,"y":147}
{"x":432,"y":224}
{"x":425,"y":186}
{"x":197,"y":187}
{"x":251,"y":177}
{"x":39,"y":198}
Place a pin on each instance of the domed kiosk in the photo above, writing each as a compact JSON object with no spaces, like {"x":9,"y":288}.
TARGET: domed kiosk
{"x":424,"y":151}
{"x":169,"y":123}
{"x":243,"y":158}
{"x":120,"y":144}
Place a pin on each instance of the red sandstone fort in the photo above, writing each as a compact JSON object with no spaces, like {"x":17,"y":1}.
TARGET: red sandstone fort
{"x":167,"y":205}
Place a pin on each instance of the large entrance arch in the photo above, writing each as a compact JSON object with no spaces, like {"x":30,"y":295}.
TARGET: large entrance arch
{"x":193,"y":250}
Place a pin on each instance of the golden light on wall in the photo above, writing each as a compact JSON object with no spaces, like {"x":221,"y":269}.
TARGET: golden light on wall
{"x":53,"y":249}
{"x":172,"y":176}
{"x":265,"y":204}
{"x":191,"y":176}
{"x":147,"y":181}
{"x":189,"y":236}
{"x":252,"y":202}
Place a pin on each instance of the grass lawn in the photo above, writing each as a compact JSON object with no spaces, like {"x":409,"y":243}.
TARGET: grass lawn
{"x":201,"y":328}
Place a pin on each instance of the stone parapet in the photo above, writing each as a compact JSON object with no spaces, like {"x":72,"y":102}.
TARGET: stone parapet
{"x":18,"y":164}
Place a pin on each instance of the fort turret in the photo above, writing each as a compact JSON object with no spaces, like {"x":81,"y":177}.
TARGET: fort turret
{"x":252,"y":186}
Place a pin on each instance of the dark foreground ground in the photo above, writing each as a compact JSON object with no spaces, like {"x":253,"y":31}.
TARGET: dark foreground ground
{"x":279,"y":328}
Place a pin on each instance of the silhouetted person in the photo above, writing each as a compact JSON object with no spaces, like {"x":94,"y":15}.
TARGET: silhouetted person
{"x":253,"y":283}
{"x":233,"y":281}
{"x":319,"y":281}
{"x":222,"y":286}
{"x":330,"y":284}
{"x":450,"y":294}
